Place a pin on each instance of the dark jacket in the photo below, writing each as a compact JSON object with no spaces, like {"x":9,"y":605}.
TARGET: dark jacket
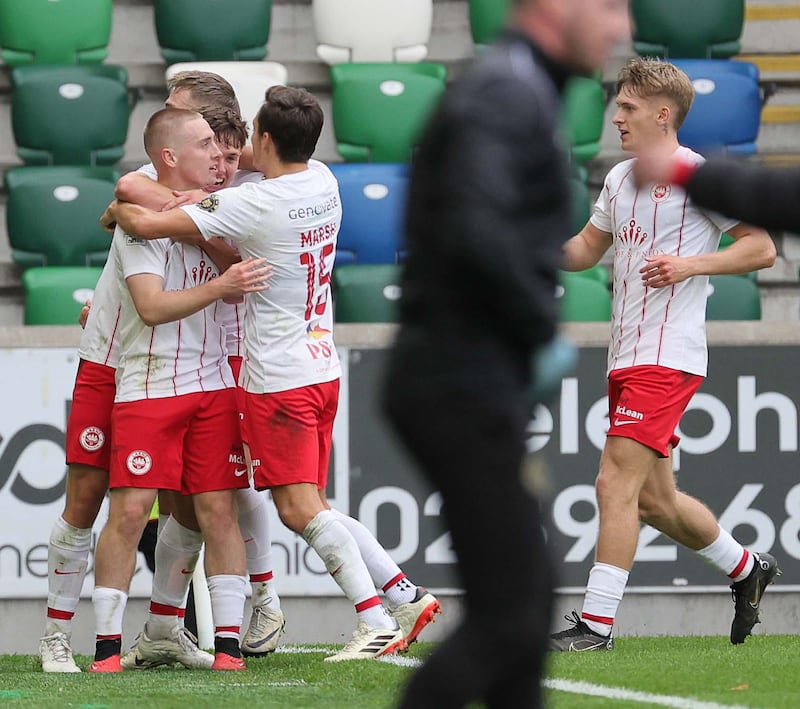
{"x":488,"y":213}
{"x":766,"y":196}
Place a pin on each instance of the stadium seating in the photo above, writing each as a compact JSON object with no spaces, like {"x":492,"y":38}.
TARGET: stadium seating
{"x":733,"y":298}
{"x":70,"y":115}
{"x":204,"y":30}
{"x":52,"y":215}
{"x":726,"y":112}
{"x":581,"y":206}
{"x":372,"y":30}
{"x":366,"y":293}
{"x":583,"y":299}
{"x":373,"y":205}
{"x":687,"y":28}
{"x":598,"y":273}
{"x":584,"y":116}
{"x":54,"y":295}
{"x":486,"y":19}
{"x":379,"y":109}
{"x":250,"y":80}
{"x":47,"y":32}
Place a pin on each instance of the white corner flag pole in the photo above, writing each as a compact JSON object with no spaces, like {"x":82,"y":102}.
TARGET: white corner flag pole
{"x":202,"y":604}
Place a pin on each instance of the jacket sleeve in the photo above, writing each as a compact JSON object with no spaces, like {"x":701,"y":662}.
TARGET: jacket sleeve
{"x":767,"y":197}
{"x":504,"y":178}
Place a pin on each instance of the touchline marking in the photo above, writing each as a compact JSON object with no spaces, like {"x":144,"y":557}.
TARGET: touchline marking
{"x":664,"y":700}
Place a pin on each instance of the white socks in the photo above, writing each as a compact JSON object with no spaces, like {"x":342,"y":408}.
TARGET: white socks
{"x":227,"y":593}
{"x":109,"y":609}
{"x":339,"y":552}
{"x":254,"y":526}
{"x":67,"y":561}
{"x":603,"y":595}
{"x":177,"y":550}
{"x":728,"y":556}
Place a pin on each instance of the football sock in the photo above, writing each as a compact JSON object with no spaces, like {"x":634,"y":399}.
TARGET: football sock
{"x":109,"y":609}
{"x":728,"y":556}
{"x":177,"y":550}
{"x":254,"y":526}
{"x":227,"y":593}
{"x":339,"y":552}
{"x":603,"y":595}
{"x":385,"y":573}
{"x":67,"y":561}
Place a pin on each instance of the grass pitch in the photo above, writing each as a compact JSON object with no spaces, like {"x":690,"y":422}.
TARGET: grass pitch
{"x":688,"y":673}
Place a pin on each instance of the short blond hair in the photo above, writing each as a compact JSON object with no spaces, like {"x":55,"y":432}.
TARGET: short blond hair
{"x":648,"y":77}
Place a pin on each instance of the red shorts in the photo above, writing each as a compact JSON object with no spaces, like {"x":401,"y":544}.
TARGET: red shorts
{"x":89,"y":422}
{"x":290,"y":434}
{"x":188,"y":443}
{"x":646,"y":404}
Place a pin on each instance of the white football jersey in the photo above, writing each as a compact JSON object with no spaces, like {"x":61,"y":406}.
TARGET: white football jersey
{"x":175,"y":358}
{"x":656,"y":326}
{"x":292,"y":221}
{"x":99,"y":342}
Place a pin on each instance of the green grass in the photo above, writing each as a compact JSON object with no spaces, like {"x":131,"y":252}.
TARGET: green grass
{"x":762,"y":673}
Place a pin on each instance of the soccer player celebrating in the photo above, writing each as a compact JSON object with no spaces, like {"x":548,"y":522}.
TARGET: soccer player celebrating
{"x":291,"y":370}
{"x":175,"y":424}
{"x":665,"y":248}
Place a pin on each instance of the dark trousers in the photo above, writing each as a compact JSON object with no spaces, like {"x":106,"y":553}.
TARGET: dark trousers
{"x":471,"y":448}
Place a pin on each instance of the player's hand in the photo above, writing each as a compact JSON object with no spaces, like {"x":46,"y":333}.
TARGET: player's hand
{"x":108,"y":221}
{"x":664,"y":270}
{"x":248,"y":276}
{"x":84,"y":314}
{"x":180,"y":198}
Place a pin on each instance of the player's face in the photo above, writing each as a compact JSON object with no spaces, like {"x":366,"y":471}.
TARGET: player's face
{"x":591,"y":30}
{"x":227,"y":165}
{"x":198,"y":155}
{"x":637,"y":120}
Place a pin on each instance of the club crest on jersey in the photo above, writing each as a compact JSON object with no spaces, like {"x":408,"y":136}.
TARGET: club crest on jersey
{"x":92,"y":438}
{"x":632,"y":234}
{"x":209,"y":204}
{"x":659,"y":193}
{"x":139,"y":462}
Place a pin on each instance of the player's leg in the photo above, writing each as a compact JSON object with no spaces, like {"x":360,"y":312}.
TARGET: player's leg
{"x":88,"y":443}
{"x":689,"y":522}
{"x":293,"y":451}
{"x":164,"y":639}
{"x":267,"y":619}
{"x":212,"y":451}
{"x":115,"y":561}
{"x":412,"y":606}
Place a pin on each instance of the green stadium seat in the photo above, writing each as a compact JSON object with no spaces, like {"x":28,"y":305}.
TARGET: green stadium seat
{"x":733,"y":298}
{"x":212,"y":30}
{"x":584,"y":116}
{"x":598,"y":273}
{"x":54,"y":295}
{"x":70,"y":115}
{"x":581,"y":205}
{"x":366,"y":293}
{"x":48,"y":32}
{"x":687,"y":28}
{"x":52,"y":215}
{"x":380,"y":109}
{"x":486,"y":19}
{"x":583,"y":299}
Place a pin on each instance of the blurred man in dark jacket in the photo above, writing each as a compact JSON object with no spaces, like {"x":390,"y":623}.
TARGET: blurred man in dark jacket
{"x":488,"y":213}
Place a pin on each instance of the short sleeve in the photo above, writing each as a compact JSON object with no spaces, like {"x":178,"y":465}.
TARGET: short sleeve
{"x":142,"y":255}
{"x":601,"y":212}
{"x":232,"y":213}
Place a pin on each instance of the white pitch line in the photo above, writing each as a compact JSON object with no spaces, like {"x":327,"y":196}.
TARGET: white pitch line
{"x":665,"y":700}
